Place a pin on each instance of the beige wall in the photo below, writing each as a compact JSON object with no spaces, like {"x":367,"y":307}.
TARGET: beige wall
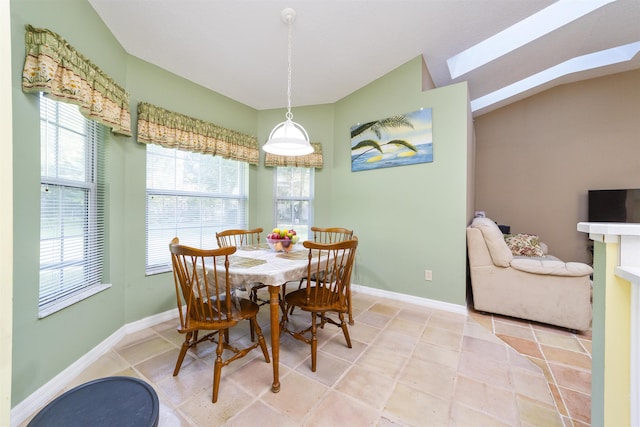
{"x":537,"y":158}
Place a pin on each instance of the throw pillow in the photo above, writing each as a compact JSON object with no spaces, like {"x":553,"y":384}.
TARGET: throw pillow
{"x":524,"y":244}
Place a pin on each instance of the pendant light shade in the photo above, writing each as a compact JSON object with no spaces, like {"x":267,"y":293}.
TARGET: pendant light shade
{"x":288,"y":138}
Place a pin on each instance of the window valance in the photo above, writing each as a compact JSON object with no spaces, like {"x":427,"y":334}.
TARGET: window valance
{"x":53,"y":66}
{"x":313,"y":160}
{"x":173,"y":130}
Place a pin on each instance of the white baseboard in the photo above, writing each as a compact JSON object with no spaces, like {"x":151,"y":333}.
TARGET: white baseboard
{"x":425,"y":302}
{"x":44,"y":394}
{"x":40,"y":397}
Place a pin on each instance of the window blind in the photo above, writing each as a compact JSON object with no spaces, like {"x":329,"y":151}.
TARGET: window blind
{"x":191,"y":196}
{"x":294,"y":199}
{"x":71,"y":204}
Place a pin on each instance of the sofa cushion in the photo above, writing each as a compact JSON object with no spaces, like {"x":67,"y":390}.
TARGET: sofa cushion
{"x":500,"y":253}
{"x":552,"y":267}
{"x":524,"y":244}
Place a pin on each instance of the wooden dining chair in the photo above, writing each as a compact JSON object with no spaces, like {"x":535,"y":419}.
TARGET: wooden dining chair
{"x":206,"y":303}
{"x":331,"y":263}
{"x":329,"y":235}
{"x":243,"y":238}
{"x":239,"y":237}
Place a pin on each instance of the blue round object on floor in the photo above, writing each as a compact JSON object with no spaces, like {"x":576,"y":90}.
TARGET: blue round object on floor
{"x":110,"y":401}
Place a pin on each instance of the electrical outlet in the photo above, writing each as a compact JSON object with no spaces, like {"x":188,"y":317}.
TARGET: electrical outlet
{"x":428,"y":275}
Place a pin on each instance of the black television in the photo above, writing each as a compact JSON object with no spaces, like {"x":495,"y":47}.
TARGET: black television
{"x":621,"y":205}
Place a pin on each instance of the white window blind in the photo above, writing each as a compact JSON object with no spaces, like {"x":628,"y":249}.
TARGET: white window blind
{"x":71,"y":205}
{"x":294,"y":199}
{"x":191,"y":196}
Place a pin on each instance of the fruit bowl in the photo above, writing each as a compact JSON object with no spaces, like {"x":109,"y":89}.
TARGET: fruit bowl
{"x":281,"y":245}
{"x":282,"y":240}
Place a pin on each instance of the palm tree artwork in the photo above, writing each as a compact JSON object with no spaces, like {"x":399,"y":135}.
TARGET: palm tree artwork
{"x":395,"y":141}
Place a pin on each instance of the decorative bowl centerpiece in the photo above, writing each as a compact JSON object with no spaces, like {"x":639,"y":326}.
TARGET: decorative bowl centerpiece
{"x":282,"y":240}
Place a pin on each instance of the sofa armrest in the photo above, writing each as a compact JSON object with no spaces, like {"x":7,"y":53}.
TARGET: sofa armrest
{"x":545,"y":248}
{"x":551,"y":267}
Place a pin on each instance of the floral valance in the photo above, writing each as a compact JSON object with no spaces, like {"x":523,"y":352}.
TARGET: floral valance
{"x":313,"y":160}
{"x":53,"y":66}
{"x":173,"y":130}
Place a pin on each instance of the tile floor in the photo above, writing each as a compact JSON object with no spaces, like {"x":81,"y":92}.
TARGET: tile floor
{"x":409,"y":366}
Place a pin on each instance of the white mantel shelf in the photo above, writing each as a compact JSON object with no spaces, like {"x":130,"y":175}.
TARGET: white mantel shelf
{"x":628,"y":236}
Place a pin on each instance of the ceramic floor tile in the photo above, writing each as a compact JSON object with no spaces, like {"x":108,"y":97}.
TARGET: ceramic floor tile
{"x":336,"y":409}
{"x":367,"y":386}
{"x":535,"y":387}
{"x":193,"y":377}
{"x":406,"y":327}
{"x":574,"y":379}
{"x":514,"y":330}
{"x":297,"y":396}
{"x":139,"y":351}
{"x":542,"y":364}
{"x":108,"y":364}
{"x":418,"y":314}
{"x":374,"y":319}
{"x":413,"y":407}
{"x":533,"y":413}
{"x":442,"y":337}
{"x":519,"y":362}
{"x":260,"y":414}
{"x":483,"y":320}
{"x":409,"y":366}
{"x":462,"y":416}
{"x":384,"y":309}
{"x":400,"y":343}
{"x":494,"y":401}
{"x":578,"y":404}
{"x":530,"y":348}
{"x":566,"y":357}
{"x":429,"y":377}
{"x":436,"y":354}
{"x":587,"y":345}
{"x":382,"y":360}
{"x":337,"y":347}
{"x":231,"y":400}
{"x":450,"y":321}
{"x":485,"y":370}
{"x":329,"y":369}
{"x":557,"y":397}
{"x":491,"y":350}
{"x":567,"y":342}
{"x":155,"y":368}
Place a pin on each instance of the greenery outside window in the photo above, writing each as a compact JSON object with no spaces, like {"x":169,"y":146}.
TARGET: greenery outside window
{"x":191,"y":196}
{"x":71,"y":206}
{"x":294,"y":199}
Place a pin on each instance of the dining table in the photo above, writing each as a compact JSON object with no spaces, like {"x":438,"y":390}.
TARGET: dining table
{"x":261,"y":264}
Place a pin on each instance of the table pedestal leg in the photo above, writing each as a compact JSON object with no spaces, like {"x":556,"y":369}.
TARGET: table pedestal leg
{"x":274,"y":307}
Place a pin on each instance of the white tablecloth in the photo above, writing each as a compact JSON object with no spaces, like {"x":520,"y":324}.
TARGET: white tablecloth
{"x":264,"y":265}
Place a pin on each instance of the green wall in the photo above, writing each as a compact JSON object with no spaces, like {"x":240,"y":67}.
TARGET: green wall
{"x":408,"y":218}
{"x":44,"y":347}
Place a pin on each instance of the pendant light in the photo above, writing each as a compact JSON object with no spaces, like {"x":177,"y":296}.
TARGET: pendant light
{"x":288,"y":138}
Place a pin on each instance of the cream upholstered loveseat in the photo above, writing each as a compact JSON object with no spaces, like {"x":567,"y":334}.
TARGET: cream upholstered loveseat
{"x":543,"y":289}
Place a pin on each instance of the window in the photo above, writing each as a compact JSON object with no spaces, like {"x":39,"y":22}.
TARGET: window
{"x":71,"y":206}
{"x":191,"y":196}
{"x":294,"y":199}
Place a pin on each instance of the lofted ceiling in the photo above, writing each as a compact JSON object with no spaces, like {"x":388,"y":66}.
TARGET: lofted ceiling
{"x":238,"y":48}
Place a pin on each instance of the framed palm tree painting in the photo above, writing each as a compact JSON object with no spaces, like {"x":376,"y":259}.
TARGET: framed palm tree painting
{"x":400,"y":140}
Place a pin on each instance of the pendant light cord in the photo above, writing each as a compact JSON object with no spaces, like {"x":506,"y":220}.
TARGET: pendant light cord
{"x":289,"y":116}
